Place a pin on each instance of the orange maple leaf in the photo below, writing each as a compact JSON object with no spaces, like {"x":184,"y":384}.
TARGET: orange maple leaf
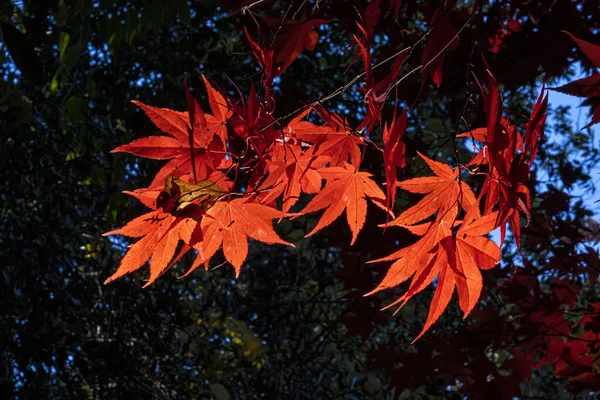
{"x":454,"y":258}
{"x":186,"y":146}
{"x":413,"y":259}
{"x":229,"y":224}
{"x":221,"y":112}
{"x":160,"y":233}
{"x":472,"y":251}
{"x":459,"y":259}
{"x":346,"y":189}
{"x":336,"y":140}
{"x":292,"y":171}
{"x":444,"y":193}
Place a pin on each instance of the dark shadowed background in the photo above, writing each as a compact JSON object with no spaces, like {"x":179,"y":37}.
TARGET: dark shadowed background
{"x":295,"y":324}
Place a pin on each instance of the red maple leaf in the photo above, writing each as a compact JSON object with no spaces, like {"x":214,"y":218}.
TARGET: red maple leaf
{"x":265,"y":60}
{"x":393,"y":153}
{"x":509,"y":156}
{"x":371,"y":19}
{"x":293,"y":38}
{"x":376,"y":93}
{"x":586,"y":87}
{"x":442,"y":39}
{"x":253,"y":123}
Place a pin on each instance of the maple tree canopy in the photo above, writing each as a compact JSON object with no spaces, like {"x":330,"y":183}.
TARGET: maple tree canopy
{"x":393,"y":138}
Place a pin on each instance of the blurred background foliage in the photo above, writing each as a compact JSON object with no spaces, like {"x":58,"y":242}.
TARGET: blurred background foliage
{"x":294,"y":325}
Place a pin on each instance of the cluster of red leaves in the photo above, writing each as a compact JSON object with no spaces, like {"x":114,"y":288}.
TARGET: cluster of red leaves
{"x":232,"y":171}
{"x":522,"y":329}
{"x":454,"y":250}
